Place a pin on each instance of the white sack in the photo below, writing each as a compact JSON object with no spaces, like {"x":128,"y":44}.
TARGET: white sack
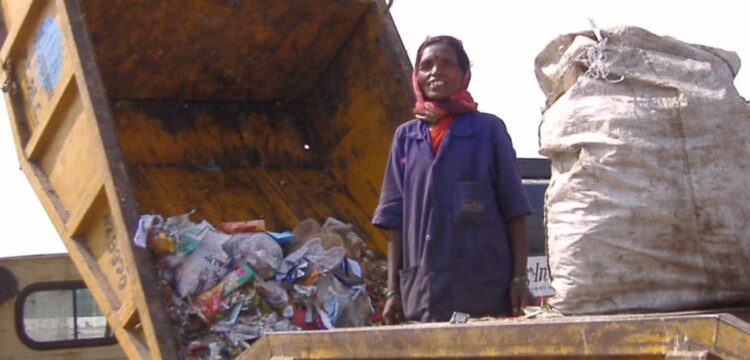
{"x":649,"y":202}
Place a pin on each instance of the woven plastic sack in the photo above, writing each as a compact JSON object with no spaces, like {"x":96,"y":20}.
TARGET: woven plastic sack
{"x":648,"y":207}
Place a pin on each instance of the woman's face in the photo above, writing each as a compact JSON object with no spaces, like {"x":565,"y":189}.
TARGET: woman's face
{"x":438,"y":73}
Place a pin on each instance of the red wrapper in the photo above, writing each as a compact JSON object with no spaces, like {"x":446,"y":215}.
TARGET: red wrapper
{"x":249,"y":226}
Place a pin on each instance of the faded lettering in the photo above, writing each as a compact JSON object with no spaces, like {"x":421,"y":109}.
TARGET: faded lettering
{"x":115,"y":254}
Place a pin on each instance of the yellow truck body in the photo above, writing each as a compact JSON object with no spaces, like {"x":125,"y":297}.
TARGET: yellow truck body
{"x":688,"y":335}
{"x":281,"y":110}
{"x":244,"y":109}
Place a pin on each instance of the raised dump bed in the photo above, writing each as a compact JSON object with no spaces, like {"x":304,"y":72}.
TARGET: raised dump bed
{"x":281,"y":110}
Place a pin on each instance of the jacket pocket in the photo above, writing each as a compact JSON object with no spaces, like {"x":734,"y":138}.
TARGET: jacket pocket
{"x":474,"y":203}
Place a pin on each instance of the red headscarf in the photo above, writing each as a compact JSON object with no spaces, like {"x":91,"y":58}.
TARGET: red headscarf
{"x":460,"y":102}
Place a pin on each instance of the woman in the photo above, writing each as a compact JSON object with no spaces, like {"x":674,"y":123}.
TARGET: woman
{"x":452,"y":201}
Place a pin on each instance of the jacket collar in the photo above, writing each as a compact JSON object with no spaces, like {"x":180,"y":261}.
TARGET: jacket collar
{"x":461,"y":127}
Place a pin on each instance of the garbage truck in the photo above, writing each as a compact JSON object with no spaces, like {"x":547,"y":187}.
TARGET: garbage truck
{"x":280,"y":110}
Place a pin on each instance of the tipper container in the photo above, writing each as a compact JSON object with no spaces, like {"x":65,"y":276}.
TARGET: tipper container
{"x":281,"y":110}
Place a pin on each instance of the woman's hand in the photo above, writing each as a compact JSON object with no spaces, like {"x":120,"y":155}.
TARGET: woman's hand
{"x":393,"y":312}
{"x":520,"y":297}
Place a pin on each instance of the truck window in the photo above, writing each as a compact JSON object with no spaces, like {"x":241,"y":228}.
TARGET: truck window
{"x":536,"y":174}
{"x":535,"y":222}
{"x":58,"y":315}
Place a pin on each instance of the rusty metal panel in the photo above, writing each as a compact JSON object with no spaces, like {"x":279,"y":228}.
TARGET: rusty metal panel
{"x":259,"y":50}
{"x":283,"y":160}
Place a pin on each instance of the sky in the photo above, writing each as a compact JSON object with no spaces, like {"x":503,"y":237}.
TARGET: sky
{"x":501,"y":40}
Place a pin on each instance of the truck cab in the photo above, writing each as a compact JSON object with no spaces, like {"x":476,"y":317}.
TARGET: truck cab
{"x":46,"y":312}
{"x":535,"y":173}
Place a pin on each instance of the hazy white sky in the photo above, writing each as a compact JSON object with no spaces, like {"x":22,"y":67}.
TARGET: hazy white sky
{"x":502,"y":41}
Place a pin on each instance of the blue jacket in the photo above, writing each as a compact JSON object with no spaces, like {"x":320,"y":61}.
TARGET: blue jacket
{"x":452,"y":209}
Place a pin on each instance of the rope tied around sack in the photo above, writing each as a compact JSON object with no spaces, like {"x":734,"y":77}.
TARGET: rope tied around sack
{"x":595,"y":59}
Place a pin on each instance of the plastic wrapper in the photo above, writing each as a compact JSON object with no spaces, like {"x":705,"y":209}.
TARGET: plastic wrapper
{"x":146,"y":223}
{"x":249,"y":226}
{"x":239,"y":276}
{"x":283,"y":238}
{"x":260,"y":250}
{"x":209,"y":303}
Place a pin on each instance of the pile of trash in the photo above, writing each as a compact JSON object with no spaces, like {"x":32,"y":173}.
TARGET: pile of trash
{"x":225,"y":287}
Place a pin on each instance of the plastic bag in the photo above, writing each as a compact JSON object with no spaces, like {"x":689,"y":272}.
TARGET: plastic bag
{"x":275,"y":295}
{"x":358,"y":311}
{"x":314,"y":252}
{"x":354,"y":245}
{"x":339,"y":305}
{"x":204,"y":267}
{"x":260,"y":250}
{"x":302,"y":232}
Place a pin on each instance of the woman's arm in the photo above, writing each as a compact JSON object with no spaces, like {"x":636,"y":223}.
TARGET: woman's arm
{"x":395,"y":239}
{"x":393,"y":311}
{"x":520,"y":296}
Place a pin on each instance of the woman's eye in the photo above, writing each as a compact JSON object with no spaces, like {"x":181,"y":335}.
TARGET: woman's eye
{"x":450,"y":63}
